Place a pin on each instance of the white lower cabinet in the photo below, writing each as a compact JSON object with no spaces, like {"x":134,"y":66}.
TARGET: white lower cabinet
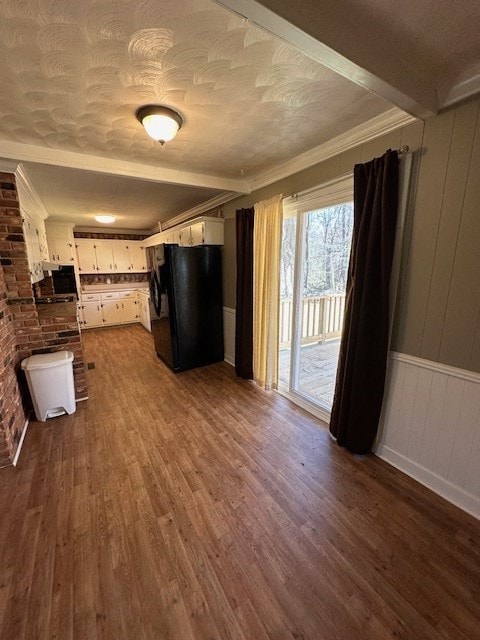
{"x":92,"y":314}
{"x":144,"y":310}
{"x":112,"y":308}
{"x":111,"y":312}
{"x":128,"y":306}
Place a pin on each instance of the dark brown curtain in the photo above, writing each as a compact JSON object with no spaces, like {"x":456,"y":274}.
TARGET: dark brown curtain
{"x":244,"y":315}
{"x":363,"y":352}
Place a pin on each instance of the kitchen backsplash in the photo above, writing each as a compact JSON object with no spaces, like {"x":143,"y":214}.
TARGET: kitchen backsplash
{"x":113,"y":278}
{"x":110,"y":236}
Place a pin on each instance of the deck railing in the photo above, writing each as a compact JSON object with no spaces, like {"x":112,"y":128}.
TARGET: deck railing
{"x":322,"y":319}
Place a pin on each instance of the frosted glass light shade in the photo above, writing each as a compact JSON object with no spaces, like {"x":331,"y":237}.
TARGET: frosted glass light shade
{"x":161,"y":123}
{"x":105,"y":219}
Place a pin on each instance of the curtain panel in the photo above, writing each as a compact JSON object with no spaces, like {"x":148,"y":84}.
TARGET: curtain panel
{"x":363,"y":352}
{"x":244,"y":221}
{"x":266,"y":291}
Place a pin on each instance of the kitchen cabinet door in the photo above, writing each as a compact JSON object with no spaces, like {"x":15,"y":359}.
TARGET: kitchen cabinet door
{"x":86,"y":256}
{"x":121,"y":256}
{"x":185,"y":237}
{"x":104,"y":256}
{"x":129,"y":310}
{"x":32,"y":240}
{"x":138,"y":257}
{"x":92,"y":314}
{"x":144,"y":313}
{"x":80,"y":317}
{"x":197,"y":233}
{"x":112,"y":311}
{"x":61,"y":251}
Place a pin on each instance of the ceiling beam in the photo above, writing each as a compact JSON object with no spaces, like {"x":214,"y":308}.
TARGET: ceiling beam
{"x":312,"y":27}
{"x":19,"y":152}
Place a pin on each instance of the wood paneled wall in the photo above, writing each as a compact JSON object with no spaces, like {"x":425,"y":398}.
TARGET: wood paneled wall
{"x":439,"y":313}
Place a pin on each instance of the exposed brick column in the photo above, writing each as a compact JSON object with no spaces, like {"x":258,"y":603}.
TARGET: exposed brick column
{"x":22,"y":333}
{"x":14,"y":286}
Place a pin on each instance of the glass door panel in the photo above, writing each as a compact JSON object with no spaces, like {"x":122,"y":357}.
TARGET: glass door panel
{"x":287,"y":272}
{"x":315,"y":318}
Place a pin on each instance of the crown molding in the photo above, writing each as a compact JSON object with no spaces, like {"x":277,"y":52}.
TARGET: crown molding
{"x":29,"y":199}
{"x":60,"y":158}
{"x":466,"y":86}
{"x":380,"y":125}
{"x":199,"y":209}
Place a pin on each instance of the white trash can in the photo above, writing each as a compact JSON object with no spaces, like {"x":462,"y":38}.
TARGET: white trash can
{"x":50,"y":381}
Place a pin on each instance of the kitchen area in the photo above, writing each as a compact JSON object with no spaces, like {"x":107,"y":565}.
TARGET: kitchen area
{"x":60,"y":280}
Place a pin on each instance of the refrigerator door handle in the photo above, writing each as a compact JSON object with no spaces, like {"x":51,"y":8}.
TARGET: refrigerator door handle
{"x":155,"y":293}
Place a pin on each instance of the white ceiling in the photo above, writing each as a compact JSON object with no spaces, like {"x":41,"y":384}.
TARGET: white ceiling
{"x":73,"y":73}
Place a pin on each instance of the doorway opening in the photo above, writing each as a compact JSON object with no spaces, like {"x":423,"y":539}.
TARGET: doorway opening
{"x":316,"y":241}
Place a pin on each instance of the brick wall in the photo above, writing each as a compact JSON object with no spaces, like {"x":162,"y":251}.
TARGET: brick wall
{"x":22,"y":333}
{"x":16,"y":311}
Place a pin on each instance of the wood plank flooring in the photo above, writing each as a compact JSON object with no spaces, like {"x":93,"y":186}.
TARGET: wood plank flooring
{"x":198,"y":507}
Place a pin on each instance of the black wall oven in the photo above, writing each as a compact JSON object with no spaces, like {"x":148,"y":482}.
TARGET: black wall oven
{"x":64,"y":280}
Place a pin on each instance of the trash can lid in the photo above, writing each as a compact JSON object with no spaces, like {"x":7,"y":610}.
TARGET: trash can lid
{"x":47,"y":360}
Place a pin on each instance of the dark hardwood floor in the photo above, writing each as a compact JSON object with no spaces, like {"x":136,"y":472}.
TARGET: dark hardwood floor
{"x":198,"y":507}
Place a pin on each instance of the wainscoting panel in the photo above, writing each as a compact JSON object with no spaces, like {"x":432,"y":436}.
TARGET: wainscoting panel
{"x":430,"y":427}
{"x":229,"y":334}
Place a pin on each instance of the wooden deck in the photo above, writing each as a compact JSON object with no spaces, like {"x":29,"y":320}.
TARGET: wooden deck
{"x":318,"y":368}
{"x":197,"y":506}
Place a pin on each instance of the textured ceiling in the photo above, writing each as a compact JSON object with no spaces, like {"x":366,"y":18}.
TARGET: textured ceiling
{"x":73,"y":72}
{"x":439,"y":39}
{"x":77,"y":196}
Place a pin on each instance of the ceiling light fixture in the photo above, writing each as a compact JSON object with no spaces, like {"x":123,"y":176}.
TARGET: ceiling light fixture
{"x":161,"y":123}
{"x":105,"y":219}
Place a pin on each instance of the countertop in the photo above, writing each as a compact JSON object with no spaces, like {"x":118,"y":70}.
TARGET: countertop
{"x":106,"y":288}
{"x":57,"y":310}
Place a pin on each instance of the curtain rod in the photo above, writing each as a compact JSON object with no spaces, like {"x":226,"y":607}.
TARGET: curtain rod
{"x":402,"y":151}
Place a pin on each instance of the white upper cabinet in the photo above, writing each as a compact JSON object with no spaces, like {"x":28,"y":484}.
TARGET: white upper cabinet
{"x":60,"y":243}
{"x":86,"y":255}
{"x":208,"y":231}
{"x":110,"y":256}
{"x":36,"y":241}
{"x":105,"y":257}
{"x":33,"y":216}
{"x":138,"y":256}
{"x":121,"y":256}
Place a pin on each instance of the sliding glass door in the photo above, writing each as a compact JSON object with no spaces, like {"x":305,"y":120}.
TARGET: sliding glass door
{"x":315,"y":252}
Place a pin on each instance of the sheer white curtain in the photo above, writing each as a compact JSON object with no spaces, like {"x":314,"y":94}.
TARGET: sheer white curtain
{"x":266,"y":289}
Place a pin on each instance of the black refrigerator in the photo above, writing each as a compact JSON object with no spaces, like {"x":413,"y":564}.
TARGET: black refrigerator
{"x":186,"y":308}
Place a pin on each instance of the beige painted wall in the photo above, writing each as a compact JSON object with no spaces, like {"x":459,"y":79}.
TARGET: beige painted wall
{"x":438,"y":315}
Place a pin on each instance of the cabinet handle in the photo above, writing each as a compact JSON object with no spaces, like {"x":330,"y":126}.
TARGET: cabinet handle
{"x":98,"y":268}
{"x":58,"y":257}
{"x":115,"y":266}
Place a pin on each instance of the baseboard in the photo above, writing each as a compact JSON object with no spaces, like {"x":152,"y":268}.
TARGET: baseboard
{"x":454,"y":494}
{"x":229,"y":315}
{"x":20,"y":443}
